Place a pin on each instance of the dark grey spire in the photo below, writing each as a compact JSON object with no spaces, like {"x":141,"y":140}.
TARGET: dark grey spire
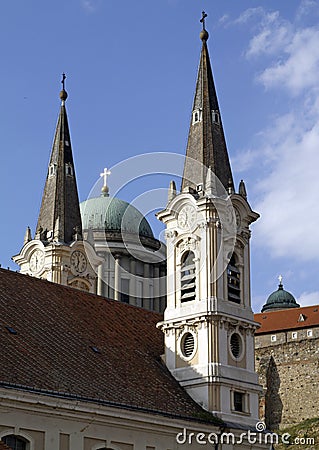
{"x":206,"y":140}
{"x":59,"y":217}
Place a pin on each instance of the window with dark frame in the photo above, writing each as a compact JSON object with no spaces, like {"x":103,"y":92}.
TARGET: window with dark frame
{"x":125,"y":286}
{"x":239,"y":401}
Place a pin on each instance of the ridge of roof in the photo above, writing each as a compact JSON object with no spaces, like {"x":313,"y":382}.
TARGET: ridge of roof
{"x":287,"y":319}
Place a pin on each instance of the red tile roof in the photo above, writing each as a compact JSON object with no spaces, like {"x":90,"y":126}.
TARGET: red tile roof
{"x":287,"y":319}
{"x":65,"y":342}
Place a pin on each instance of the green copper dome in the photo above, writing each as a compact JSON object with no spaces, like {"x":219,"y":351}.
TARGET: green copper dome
{"x":114,"y":215}
{"x":280,"y":299}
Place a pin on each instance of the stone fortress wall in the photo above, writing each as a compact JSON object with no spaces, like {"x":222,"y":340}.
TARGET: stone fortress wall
{"x":288,"y":366}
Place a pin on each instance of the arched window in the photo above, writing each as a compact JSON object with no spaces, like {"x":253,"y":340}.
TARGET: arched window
{"x":197,"y":116}
{"x":215,"y":116}
{"x":188,"y":277}
{"x":69,"y":169}
{"x":15,"y":442}
{"x":52,"y":170}
{"x":104,"y":448}
{"x":233,"y":281}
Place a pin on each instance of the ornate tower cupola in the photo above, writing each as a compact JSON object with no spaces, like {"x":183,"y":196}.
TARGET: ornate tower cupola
{"x":57,"y":252}
{"x":208,"y":323}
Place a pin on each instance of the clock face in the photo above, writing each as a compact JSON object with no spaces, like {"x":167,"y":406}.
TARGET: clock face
{"x":37,"y":260}
{"x":78,"y":261}
{"x":187,"y":217}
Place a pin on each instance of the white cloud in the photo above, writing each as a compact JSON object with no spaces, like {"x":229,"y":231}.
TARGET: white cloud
{"x":89,"y":5}
{"x":299,"y":68}
{"x":288,"y":204}
{"x":295,"y":51}
{"x":248,"y":14}
{"x":273,"y":34}
{"x":245,"y":160}
{"x":308,"y":298}
{"x":243,"y":18}
{"x":286,"y":158}
{"x":224,"y":19}
{"x":306,"y":8}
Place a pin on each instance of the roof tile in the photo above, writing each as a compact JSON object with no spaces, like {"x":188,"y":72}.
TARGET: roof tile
{"x":287,"y":319}
{"x":52,"y":351}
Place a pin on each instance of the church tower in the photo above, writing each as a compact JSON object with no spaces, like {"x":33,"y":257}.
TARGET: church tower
{"x":57,"y":252}
{"x":208,"y":323}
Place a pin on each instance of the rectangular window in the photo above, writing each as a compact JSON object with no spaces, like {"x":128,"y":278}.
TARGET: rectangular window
{"x":151,"y":305}
{"x":309,"y":333}
{"x":239,"y":401}
{"x":139,"y":293}
{"x":125,"y":286}
{"x":294,"y":335}
{"x":273,"y":338}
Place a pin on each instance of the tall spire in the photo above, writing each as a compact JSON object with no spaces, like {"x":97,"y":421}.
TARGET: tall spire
{"x":59,"y":217}
{"x":206,"y":140}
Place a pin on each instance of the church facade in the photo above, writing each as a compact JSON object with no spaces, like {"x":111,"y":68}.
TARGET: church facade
{"x":84,"y":372}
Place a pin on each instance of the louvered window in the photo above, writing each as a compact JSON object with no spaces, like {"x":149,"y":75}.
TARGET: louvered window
{"x":188,"y":277}
{"x":188,"y":345}
{"x":235,"y":345}
{"x":233,"y":281}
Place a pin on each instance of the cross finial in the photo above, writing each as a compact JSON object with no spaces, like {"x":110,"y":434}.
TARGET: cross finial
{"x":202,"y":20}
{"x":63,"y":81}
{"x":280,"y":278}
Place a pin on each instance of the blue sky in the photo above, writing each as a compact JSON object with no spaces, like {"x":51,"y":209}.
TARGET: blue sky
{"x":131,"y":70}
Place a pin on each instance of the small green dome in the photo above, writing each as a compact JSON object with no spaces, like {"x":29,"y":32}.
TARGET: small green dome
{"x":280,"y":299}
{"x":115,"y":215}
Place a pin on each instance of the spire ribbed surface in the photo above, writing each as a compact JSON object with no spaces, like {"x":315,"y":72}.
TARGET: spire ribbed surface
{"x":206,"y":140}
{"x":60,"y":210}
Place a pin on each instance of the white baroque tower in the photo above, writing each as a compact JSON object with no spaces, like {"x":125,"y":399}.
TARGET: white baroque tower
{"x":57,"y":252}
{"x":208,"y":323}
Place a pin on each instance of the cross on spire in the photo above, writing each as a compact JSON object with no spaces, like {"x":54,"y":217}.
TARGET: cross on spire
{"x":280,"y":278}
{"x":63,"y":81}
{"x":105,"y":174}
{"x":202,"y":20}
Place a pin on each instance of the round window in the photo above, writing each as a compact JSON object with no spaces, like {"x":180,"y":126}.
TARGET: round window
{"x":188,"y":345}
{"x":236,"y":345}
